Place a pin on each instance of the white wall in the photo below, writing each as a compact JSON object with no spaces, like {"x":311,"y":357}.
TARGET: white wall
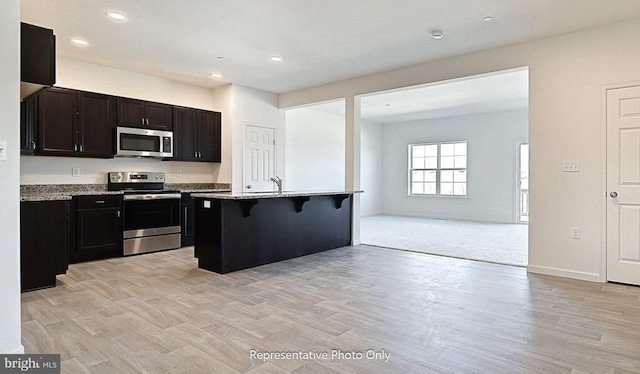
{"x":258,"y":108}
{"x":491,"y":174}
{"x":222,"y":101}
{"x":97,"y":78}
{"x":371,"y":164}
{"x":314,"y":150}
{"x":568,"y":76}
{"x":9,"y":182}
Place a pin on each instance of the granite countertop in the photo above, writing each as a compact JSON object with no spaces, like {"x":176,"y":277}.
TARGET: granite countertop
{"x":269,"y":195}
{"x":50,"y":192}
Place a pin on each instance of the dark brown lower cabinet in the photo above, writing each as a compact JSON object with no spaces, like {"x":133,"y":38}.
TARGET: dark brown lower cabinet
{"x":187,"y":221}
{"x":98,"y":228}
{"x":44,"y":242}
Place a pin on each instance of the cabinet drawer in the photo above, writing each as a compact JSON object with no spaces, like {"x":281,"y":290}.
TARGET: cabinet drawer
{"x":89,"y":202}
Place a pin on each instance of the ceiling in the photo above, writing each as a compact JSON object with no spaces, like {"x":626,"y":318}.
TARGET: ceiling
{"x":486,"y":93}
{"x":320,"y":41}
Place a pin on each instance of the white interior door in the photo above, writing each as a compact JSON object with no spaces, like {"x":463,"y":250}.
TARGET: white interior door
{"x":623,"y":185}
{"x":259,"y":158}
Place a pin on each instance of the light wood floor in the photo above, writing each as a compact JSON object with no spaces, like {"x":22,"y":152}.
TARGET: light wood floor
{"x":159,"y":313}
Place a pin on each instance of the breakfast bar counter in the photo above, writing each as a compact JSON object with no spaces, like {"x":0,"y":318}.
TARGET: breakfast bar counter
{"x":240,"y":231}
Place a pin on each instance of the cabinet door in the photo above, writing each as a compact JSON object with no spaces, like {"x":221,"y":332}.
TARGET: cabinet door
{"x":96,"y":124}
{"x":188,"y":216}
{"x":27,"y":127}
{"x":208,"y":139}
{"x":99,"y":228}
{"x":44,"y":234}
{"x":37,"y":55}
{"x":184,"y":134}
{"x":158,"y":116}
{"x":57,"y":122}
{"x":130,"y":112}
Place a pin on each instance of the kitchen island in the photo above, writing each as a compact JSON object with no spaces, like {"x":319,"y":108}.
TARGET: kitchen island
{"x":239,"y":231}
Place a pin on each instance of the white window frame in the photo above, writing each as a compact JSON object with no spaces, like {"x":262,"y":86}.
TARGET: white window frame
{"x":438,"y":170}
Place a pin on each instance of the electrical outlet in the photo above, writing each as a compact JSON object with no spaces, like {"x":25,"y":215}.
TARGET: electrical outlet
{"x":75,"y":172}
{"x":571,"y":166}
{"x":575,"y":233}
{"x":179,"y":173}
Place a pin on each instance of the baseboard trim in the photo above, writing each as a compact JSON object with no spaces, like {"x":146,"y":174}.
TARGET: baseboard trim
{"x":572,"y":274}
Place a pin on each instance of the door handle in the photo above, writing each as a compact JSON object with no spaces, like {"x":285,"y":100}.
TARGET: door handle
{"x":613,"y":194}
{"x":185,"y":218}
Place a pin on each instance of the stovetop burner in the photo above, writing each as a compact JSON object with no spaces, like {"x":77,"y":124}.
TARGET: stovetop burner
{"x":137,"y":191}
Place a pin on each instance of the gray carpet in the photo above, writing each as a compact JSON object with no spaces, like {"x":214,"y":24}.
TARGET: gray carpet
{"x":492,"y":242}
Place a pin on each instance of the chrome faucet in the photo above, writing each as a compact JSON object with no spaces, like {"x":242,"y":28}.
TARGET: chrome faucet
{"x":278,"y":181}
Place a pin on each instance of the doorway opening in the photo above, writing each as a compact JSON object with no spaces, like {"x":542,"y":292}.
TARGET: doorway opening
{"x":440,"y":172}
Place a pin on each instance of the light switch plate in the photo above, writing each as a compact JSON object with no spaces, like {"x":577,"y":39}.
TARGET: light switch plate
{"x":3,"y":150}
{"x":571,"y":166}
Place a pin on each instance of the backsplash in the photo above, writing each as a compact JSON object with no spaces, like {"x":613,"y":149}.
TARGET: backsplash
{"x":58,"y":170}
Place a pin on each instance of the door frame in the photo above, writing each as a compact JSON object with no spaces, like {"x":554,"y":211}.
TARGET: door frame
{"x":518,"y":143}
{"x":244,"y":150}
{"x":603,"y":131}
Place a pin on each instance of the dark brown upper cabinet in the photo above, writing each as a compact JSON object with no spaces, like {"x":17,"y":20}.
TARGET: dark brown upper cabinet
{"x":71,"y":123}
{"x":37,"y":58}
{"x":144,"y":114}
{"x":197,"y":135}
{"x":96,"y":120}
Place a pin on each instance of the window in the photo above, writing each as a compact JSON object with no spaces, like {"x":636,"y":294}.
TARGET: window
{"x":438,"y":169}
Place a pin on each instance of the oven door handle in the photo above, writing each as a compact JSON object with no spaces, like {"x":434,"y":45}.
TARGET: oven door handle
{"x":165,"y":196}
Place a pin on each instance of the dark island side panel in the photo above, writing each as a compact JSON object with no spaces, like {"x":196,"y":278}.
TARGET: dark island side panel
{"x":276,"y":229}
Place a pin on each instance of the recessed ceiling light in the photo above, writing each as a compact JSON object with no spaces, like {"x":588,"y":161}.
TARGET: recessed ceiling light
{"x":215,"y":75}
{"x":79,"y":42}
{"x":276,"y":58}
{"x":488,"y":19}
{"x":220,"y":57}
{"x":437,"y":34}
{"x":117,"y":16}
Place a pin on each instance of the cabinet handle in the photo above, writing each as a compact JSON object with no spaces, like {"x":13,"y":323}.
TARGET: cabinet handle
{"x":118,"y":213}
{"x":147,"y":121}
{"x":33,"y":145}
{"x":100,"y":201}
{"x":75,"y":147}
{"x":195,"y":154}
{"x":81,"y":148}
{"x":142,"y":121}
{"x":185,"y":218}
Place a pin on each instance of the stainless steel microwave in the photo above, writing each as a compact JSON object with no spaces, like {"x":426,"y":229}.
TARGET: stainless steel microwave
{"x":143,"y":143}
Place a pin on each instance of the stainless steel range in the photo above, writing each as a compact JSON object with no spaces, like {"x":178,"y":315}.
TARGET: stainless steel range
{"x":151,"y":213}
